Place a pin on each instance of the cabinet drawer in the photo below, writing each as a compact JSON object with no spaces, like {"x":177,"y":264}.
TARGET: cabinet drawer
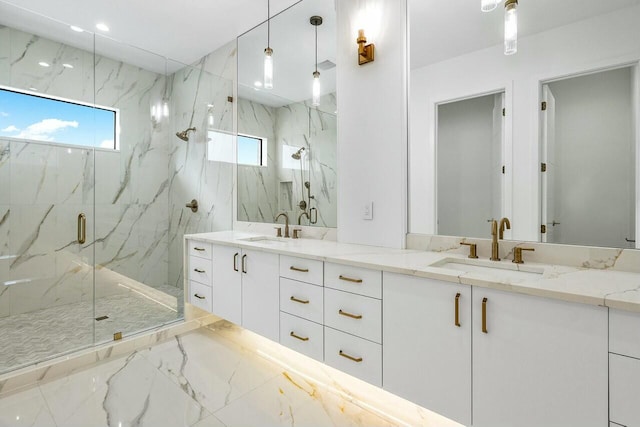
{"x":200,"y":249}
{"x":304,"y":270}
{"x":302,"y":336}
{"x":355,"y":314}
{"x":624,"y":333}
{"x":200,"y":270}
{"x":358,"y":280}
{"x":200,"y":296}
{"x":624,"y":388}
{"x":301,"y":299}
{"x":353,"y":355}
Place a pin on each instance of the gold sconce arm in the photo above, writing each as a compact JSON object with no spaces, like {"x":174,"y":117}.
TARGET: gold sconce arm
{"x":366,"y":52}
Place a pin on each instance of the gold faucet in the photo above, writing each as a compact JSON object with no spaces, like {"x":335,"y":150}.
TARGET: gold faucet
{"x":286,"y":223}
{"x":497,"y":232}
{"x":304,"y":213}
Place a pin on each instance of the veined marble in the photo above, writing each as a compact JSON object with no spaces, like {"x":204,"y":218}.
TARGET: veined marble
{"x":603,"y":287}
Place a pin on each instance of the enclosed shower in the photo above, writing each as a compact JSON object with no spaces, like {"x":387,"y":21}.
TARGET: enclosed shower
{"x":93,"y":185}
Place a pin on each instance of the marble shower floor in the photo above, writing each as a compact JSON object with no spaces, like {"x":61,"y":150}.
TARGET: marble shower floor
{"x":199,"y":379}
{"x":32,"y":337}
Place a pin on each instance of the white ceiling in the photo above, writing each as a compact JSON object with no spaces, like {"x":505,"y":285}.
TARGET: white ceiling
{"x":183,"y":30}
{"x":441,"y":29}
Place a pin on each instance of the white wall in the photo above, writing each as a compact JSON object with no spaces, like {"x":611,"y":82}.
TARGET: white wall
{"x":372,"y":123}
{"x":587,"y":45}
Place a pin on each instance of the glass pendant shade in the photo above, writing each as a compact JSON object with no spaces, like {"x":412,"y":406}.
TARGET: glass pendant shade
{"x":268,"y":68}
{"x":511,"y":28}
{"x":316,"y":89}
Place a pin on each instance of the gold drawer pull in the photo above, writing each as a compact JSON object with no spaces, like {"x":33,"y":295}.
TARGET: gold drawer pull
{"x":355,"y":359}
{"x":457,"y":317}
{"x":301,"y":270}
{"x":348,"y":279}
{"x":199,"y":249}
{"x":198,"y":270}
{"x":198,"y":296}
{"x":484,"y":315}
{"x":353,"y":316}
{"x":301,"y":301}
{"x":293,"y":334}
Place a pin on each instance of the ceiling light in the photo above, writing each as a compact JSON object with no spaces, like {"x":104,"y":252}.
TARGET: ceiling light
{"x":76,"y":29}
{"x":315,"y":101}
{"x":488,"y":5}
{"x":268,"y":53}
{"x":33,"y":89}
{"x":102,"y":27}
{"x":257,"y":83}
{"x":43,"y":64}
{"x":67,"y":65}
{"x":510,"y":27}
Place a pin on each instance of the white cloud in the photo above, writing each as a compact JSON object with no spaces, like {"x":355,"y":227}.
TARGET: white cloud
{"x":3,"y":114}
{"x":11,"y":128}
{"x":107,"y":143}
{"x":44,"y":130}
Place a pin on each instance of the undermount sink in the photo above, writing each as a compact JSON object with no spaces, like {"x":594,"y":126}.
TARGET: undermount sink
{"x":264,"y":239}
{"x":497,"y":270}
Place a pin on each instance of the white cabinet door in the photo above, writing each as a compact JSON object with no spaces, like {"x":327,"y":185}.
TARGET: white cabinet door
{"x":426,"y":357}
{"x":541,"y":362}
{"x":227,"y":285}
{"x":261,"y":293}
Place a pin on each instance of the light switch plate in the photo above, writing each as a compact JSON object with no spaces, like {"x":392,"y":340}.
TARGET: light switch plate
{"x":367,"y":212}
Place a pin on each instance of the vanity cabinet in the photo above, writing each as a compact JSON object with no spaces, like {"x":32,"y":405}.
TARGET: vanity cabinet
{"x":624,"y":368}
{"x":199,"y":274}
{"x":427,"y":347}
{"x":245,"y":289}
{"x":538,"y":362}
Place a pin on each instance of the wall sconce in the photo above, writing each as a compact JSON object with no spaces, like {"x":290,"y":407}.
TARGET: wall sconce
{"x":365,"y":51}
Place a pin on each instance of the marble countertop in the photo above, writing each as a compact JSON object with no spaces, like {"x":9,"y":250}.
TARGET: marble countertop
{"x":614,"y":289}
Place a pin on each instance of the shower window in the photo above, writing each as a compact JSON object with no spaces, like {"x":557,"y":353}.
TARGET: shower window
{"x":29,"y":116}
{"x":251,"y":150}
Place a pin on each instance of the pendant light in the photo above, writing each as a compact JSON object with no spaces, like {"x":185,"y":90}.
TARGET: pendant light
{"x":488,"y":5}
{"x":510,"y":27}
{"x":316,"y":21}
{"x":268,"y":53}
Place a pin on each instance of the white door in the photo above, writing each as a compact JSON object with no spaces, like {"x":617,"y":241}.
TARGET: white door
{"x":549,"y":214}
{"x":426,"y":356}
{"x":227,"y":288}
{"x":261,"y":293}
{"x":541,"y":362}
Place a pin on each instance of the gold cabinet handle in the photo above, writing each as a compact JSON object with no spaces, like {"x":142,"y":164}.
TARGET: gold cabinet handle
{"x":353,"y":316}
{"x":484,"y":315}
{"x":198,"y":296}
{"x":235,"y":261}
{"x":198,"y":270}
{"x":301,"y":301}
{"x":244,"y":263}
{"x":345,"y":355}
{"x":298,"y":337}
{"x":82,"y":228}
{"x":301,"y":270}
{"x":348,"y":279}
{"x":457,"y":316}
{"x":199,"y":249}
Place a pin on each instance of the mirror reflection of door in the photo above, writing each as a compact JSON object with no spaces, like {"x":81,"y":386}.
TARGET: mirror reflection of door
{"x":470,"y":137}
{"x":589,"y":148}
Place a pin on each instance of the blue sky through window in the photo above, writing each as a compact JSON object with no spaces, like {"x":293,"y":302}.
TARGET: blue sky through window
{"x":249,"y":150}
{"x":34,"y":117}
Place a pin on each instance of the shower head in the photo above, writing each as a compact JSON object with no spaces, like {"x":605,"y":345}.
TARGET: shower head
{"x":307,"y":184}
{"x":184,"y":135}
{"x":298,"y":154}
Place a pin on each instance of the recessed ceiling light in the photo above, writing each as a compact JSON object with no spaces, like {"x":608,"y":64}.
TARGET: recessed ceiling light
{"x":33,"y":89}
{"x":67,"y":65}
{"x":209,"y":105}
{"x":257,"y":83}
{"x":76,"y":29}
{"x":102,"y":27}
{"x":43,"y":64}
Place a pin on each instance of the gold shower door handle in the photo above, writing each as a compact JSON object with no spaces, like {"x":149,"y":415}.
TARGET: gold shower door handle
{"x":82,"y":228}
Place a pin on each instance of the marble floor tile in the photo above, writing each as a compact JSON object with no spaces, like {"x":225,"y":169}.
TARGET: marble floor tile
{"x":211,"y":421}
{"x":27,"y":408}
{"x":211,"y":370}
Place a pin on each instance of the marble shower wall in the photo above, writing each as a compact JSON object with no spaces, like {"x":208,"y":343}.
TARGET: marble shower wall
{"x":263,"y":192}
{"x":46,"y":185}
{"x":198,"y":91}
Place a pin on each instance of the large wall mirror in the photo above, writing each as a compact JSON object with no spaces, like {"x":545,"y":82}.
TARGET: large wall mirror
{"x":286,"y":138}
{"x":547,"y":136}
